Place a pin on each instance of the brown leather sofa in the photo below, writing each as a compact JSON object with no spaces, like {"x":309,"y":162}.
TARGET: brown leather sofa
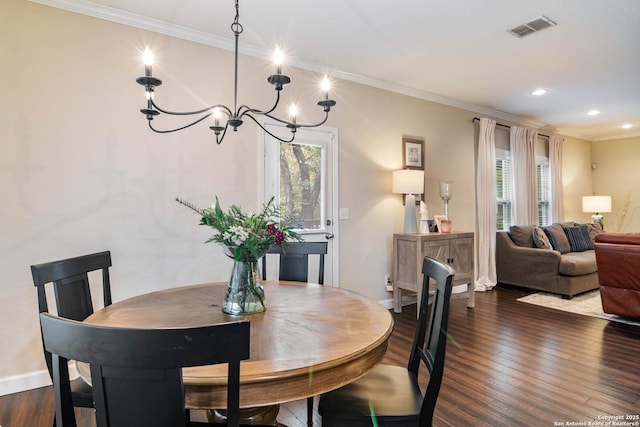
{"x":618,"y":259}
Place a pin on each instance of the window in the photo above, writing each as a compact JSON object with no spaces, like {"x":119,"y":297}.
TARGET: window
{"x":504,"y":190}
{"x":503,"y":187}
{"x":543,"y":182}
{"x":299,"y":175}
{"x":301,"y":184}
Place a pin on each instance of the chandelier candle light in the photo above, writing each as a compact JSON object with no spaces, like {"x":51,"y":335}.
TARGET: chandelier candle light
{"x":234,"y":117}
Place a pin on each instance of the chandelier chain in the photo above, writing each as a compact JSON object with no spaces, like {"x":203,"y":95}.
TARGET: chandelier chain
{"x":236,"y":26}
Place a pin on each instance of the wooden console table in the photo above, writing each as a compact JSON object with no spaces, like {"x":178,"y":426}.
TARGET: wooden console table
{"x":455,"y":249}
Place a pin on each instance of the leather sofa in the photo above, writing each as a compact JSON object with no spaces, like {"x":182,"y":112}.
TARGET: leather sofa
{"x":519,"y":262}
{"x":618,"y":259}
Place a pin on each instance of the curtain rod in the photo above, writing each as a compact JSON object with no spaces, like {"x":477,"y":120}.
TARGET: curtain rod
{"x":477,"y":119}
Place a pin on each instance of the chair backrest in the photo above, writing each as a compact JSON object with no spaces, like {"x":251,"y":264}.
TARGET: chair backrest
{"x":430,"y":341}
{"x":71,"y":283}
{"x":71,"y":286}
{"x":136,"y":373}
{"x":294,"y":260}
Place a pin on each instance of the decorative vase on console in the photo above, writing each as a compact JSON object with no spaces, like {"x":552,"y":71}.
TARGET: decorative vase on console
{"x":424,"y":218}
{"x":246,"y":238}
{"x":446,"y":193}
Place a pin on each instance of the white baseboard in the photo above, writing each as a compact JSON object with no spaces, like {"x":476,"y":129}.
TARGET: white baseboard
{"x":18,"y":383}
{"x":459,"y":289}
{"x":388,"y":303}
{"x":31,"y":380}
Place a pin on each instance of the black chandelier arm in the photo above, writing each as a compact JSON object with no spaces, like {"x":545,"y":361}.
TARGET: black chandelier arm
{"x":320,"y":123}
{"x":293,"y":133}
{"x":220,"y":138}
{"x":248,"y":109}
{"x":180,"y":128}
{"x":191,"y":113}
{"x":292,"y":125}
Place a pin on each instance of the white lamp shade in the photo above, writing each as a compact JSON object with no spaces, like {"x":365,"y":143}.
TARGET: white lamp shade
{"x":596,"y":204}
{"x":408,"y":181}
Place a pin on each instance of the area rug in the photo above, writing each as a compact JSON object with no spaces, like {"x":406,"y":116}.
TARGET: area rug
{"x":587,"y":304}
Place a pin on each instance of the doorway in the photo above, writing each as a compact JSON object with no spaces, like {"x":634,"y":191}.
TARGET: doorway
{"x":302,"y":176}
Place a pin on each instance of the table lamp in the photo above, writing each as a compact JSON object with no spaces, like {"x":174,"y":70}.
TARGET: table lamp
{"x":446,"y":193}
{"x":409,"y":182}
{"x":596,"y":205}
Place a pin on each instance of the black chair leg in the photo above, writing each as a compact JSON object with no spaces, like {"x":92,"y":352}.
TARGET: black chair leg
{"x":310,"y":411}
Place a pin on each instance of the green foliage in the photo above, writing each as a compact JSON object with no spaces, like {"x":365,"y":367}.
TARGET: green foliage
{"x":245,"y":236}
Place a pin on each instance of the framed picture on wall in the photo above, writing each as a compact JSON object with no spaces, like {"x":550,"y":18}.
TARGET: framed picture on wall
{"x":412,"y":154}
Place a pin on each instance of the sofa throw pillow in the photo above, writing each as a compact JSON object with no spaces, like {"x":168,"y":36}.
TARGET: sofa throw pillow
{"x":540,"y":239}
{"x":593,"y":230}
{"x":578,"y":237}
{"x":558,"y":238}
{"x":552,"y":239}
{"x":566,"y":224}
{"x":522,"y":235}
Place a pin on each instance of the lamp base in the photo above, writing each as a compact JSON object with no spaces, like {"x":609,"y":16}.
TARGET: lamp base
{"x":410,"y":217}
{"x":598,"y":221}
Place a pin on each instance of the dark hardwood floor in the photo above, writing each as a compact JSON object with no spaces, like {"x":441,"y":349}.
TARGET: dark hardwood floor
{"x":508,"y":364}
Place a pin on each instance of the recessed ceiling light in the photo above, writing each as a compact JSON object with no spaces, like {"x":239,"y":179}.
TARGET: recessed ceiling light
{"x":539,"y":92}
{"x":593,"y":112}
{"x":626,"y":126}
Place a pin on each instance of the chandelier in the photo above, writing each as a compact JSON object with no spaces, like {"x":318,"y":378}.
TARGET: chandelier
{"x":223,"y":116}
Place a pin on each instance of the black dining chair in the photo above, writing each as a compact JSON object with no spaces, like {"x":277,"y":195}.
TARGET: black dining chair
{"x":294,"y":266}
{"x":70,"y":282}
{"x":137,"y":373}
{"x":391,"y":395}
{"x":294,"y":260}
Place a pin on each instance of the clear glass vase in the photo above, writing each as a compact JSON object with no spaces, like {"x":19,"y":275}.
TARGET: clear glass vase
{"x":245,"y":294}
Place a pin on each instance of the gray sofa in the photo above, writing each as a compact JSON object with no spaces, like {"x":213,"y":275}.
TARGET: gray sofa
{"x":568,"y":267}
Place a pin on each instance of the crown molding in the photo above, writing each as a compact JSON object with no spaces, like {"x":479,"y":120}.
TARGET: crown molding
{"x":621,"y":136}
{"x":95,"y":10}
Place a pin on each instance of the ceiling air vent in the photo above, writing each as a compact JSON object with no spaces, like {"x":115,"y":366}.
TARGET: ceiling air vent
{"x":537,"y":24}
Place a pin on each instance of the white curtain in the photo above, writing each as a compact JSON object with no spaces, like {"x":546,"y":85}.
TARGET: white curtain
{"x":486,"y":205}
{"x":555,"y":172}
{"x":523,"y":157}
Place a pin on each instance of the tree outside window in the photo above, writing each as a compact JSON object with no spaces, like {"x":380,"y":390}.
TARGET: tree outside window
{"x":301,"y":184}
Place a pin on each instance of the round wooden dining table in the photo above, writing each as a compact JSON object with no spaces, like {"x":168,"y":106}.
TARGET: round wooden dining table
{"x":311,"y":339}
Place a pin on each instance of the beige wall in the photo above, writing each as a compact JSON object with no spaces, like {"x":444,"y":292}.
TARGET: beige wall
{"x":81,"y":172}
{"x":617,"y":174}
{"x":576,"y":178}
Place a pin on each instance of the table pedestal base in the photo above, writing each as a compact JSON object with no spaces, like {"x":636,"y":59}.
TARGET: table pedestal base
{"x":264,"y":415}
